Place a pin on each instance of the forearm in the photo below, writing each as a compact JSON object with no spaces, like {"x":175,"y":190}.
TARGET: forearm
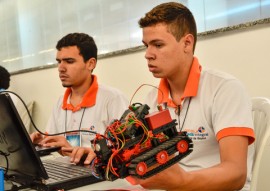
{"x":226,"y":176}
{"x":229,"y":174}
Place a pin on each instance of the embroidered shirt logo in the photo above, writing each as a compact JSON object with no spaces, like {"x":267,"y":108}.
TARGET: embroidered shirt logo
{"x":201,"y":129}
{"x":92,"y":128}
{"x":199,"y":134}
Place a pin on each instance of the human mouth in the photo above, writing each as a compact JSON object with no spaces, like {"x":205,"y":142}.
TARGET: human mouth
{"x":151,"y":68}
{"x":63,"y":77}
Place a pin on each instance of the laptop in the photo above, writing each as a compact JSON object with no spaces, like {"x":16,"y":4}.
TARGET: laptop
{"x":23,"y":164}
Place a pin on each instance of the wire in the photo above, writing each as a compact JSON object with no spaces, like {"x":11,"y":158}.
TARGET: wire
{"x":141,"y":87}
{"x":34,"y":125}
{"x":115,"y":132}
{"x":92,"y":166}
{"x":73,"y":131}
{"x":24,"y":104}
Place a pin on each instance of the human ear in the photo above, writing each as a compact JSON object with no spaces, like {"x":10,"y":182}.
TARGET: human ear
{"x":91,"y":64}
{"x":189,"y":43}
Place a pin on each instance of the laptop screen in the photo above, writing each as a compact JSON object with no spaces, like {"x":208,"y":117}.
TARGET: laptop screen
{"x":21,"y":158}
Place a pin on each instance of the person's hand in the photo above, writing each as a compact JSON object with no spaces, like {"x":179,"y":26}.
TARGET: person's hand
{"x":52,"y":141}
{"x":80,"y":154}
{"x":164,"y":180}
{"x":36,"y":137}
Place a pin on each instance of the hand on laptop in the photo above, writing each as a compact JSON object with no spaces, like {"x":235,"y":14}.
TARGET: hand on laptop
{"x":36,"y":137}
{"x":83,"y":155}
{"x":51,"y":141}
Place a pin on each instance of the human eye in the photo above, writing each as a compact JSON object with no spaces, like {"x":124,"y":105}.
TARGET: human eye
{"x":158,"y":45}
{"x":70,"y":61}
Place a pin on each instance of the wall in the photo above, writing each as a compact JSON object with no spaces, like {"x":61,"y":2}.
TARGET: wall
{"x":243,"y":53}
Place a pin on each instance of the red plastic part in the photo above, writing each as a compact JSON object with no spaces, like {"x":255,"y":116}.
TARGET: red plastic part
{"x":141,"y":168}
{"x":162,"y":157}
{"x":182,"y":146}
{"x":158,"y":119}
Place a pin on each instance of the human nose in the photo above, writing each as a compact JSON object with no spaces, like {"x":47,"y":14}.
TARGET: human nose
{"x":61,"y":67}
{"x":149,"y":54}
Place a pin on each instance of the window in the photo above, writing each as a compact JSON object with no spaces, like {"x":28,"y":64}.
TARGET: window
{"x":31,"y":29}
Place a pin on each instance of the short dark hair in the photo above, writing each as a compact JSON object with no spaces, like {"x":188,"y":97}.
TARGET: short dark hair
{"x":84,"y":42}
{"x":4,"y":78}
{"x":177,"y":17}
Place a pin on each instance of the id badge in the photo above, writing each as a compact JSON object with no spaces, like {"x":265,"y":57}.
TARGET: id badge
{"x":74,"y":139}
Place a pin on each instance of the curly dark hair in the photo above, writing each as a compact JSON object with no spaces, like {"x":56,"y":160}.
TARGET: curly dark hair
{"x":84,"y":42}
{"x":4,"y":78}
{"x":177,"y":17}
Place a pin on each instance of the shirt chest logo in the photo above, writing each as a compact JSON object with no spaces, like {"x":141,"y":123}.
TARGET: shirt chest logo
{"x":197,"y":134}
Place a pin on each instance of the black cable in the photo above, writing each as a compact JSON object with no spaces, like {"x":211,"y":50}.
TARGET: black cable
{"x":32,"y":122}
{"x":24,"y":104}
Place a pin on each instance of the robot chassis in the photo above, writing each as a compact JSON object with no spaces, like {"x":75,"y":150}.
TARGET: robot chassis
{"x":139,"y":144}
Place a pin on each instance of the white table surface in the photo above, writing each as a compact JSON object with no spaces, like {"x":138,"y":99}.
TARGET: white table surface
{"x":119,"y":184}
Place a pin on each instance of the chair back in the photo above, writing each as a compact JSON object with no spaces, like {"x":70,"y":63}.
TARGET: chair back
{"x":261,"y":168}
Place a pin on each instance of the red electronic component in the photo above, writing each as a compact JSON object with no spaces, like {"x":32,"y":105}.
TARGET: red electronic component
{"x":158,"y":118}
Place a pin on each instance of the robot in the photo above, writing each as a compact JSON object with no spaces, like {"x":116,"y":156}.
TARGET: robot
{"x":139,"y":144}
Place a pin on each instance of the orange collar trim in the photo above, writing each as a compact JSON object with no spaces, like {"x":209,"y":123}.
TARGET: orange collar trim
{"x":89,"y":98}
{"x":191,"y":87}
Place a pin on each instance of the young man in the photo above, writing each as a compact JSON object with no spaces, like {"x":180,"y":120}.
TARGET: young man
{"x":212,"y":107}
{"x":86,"y":104}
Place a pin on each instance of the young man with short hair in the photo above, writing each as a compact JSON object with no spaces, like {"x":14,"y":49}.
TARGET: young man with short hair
{"x":86,"y":104}
{"x":211,"y":106}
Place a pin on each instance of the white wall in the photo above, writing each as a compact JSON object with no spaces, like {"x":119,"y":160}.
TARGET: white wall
{"x":243,"y":53}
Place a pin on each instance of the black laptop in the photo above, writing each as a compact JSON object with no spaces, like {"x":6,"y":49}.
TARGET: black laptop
{"x":23,"y":164}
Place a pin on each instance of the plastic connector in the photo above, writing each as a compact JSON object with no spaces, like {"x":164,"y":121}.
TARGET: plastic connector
{"x":1,"y":179}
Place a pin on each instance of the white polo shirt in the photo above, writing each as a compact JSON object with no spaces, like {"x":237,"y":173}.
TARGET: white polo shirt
{"x":214,"y":105}
{"x":100,"y":106}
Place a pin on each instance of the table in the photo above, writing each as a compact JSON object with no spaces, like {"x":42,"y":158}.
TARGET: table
{"x":117,"y":185}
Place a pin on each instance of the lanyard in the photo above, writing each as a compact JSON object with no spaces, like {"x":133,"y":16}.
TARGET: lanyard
{"x":80,"y":121}
{"x":178,"y":111}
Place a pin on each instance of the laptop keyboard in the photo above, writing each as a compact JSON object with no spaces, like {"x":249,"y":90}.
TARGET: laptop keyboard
{"x":59,"y":171}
